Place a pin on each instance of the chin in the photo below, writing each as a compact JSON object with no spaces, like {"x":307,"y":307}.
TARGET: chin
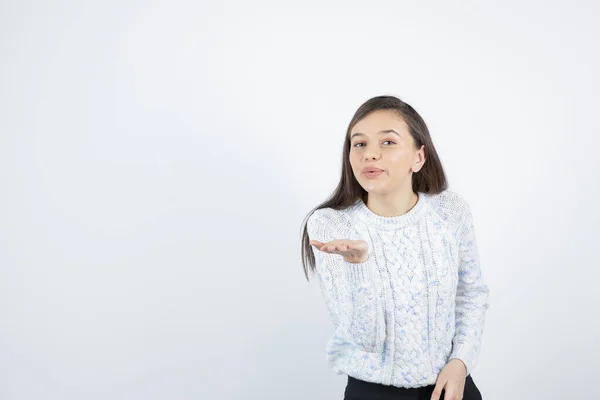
{"x":374,"y":188}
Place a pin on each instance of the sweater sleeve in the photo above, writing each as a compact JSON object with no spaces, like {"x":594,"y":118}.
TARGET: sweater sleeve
{"x":354,"y":304}
{"x":471,"y":297}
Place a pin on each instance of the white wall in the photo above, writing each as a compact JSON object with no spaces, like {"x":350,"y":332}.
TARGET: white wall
{"x":157,"y":160}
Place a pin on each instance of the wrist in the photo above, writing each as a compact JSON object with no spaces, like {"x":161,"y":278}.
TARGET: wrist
{"x":461,"y":362}
{"x":356,"y":260}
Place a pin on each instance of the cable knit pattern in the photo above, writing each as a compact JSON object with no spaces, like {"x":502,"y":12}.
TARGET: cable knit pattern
{"x":417,"y":302}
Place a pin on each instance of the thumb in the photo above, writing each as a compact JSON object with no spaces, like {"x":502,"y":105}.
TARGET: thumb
{"x":437,"y":392}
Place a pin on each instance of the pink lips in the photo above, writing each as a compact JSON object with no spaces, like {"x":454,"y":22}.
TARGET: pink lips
{"x":373,"y":173}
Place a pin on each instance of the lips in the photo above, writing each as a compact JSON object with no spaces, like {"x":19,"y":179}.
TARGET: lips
{"x":371,"y":169}
{"x":374,"y":174}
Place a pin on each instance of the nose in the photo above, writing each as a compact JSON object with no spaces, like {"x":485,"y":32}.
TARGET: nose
{"x":370,"y":155}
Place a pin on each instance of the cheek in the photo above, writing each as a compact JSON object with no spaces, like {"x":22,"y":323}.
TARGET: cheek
{"x":399,"y":162}
{"x":353,"y":160}
{"x":398,"y":156}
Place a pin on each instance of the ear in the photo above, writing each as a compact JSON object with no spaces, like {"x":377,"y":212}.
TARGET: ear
{"x":419,"y":160}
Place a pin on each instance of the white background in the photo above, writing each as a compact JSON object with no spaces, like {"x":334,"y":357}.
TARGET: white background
{"x":157,"y":160}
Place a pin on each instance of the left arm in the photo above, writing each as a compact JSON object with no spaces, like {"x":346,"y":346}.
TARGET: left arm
{"x":471,"y":304}
{"x":471,"y":297}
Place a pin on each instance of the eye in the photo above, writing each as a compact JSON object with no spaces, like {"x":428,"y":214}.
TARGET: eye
{"x":356,"y":144}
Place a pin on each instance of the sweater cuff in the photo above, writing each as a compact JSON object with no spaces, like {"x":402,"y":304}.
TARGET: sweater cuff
{"x":465,"y":353}
{"x":360,"y":273}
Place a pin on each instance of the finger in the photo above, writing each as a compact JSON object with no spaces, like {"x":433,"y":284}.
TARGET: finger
{"x":452,"y":392}
{"x":334,"y":249}
{"x":451,"y":395}
{"x":437,"y":391}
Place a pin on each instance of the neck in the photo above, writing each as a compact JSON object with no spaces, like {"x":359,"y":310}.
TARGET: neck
{"x":392,"y":204}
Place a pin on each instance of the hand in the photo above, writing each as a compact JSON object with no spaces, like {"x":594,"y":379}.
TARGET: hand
{"x":353,"y":251}
{"x":451,"y":378}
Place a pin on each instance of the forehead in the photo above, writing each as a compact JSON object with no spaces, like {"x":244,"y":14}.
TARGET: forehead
{"x":378,"y":121}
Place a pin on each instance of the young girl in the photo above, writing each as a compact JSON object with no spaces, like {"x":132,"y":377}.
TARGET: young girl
{"x":398,"y":265}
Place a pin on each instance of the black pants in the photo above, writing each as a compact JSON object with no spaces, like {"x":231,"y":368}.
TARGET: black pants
{"x":361,"y":390}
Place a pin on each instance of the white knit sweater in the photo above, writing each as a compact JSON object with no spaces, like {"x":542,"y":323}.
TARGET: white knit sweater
{"x":417,"y":302}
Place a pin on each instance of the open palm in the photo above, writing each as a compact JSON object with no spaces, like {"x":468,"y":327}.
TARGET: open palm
{"x":354,"y":251}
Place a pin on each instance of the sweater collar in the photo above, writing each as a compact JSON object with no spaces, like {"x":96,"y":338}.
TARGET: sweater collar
{"x":365,"y":214}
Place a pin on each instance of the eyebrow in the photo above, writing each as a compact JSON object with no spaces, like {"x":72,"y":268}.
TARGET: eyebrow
{"x":379,"y":133}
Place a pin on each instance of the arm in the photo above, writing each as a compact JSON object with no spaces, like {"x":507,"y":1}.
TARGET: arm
{"x":471,"y":297}
{"x":349,"y":289}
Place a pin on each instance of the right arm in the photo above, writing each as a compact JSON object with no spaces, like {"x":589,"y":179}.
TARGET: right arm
{"x":350,"y":290}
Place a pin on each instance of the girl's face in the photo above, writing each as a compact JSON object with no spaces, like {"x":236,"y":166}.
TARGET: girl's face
{"x":382,"y":140}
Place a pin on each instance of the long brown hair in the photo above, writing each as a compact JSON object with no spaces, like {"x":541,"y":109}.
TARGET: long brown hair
{"x":429,"y":179}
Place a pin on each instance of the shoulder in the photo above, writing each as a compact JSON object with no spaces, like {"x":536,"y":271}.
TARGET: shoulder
{"x":450,"y":206}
